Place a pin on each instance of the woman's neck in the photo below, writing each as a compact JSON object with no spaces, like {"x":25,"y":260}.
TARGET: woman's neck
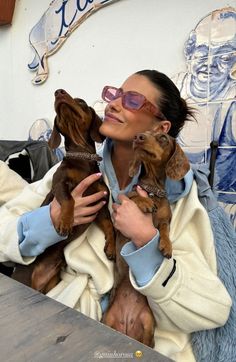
{"x":121,"y":155}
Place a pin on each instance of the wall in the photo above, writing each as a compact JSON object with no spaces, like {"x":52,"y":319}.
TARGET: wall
{"x":209,"y":86}
{"x":112,"y":43}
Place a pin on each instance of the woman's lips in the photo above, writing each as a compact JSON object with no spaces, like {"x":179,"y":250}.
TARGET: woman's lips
{"x":111,"y":117}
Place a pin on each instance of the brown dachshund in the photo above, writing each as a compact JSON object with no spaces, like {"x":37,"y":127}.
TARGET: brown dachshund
{"x":128,"y":310}
{"x":159,"y":156}
{"x":79,"y":125}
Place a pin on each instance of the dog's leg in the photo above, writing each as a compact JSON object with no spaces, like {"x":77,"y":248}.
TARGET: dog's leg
{"x":165,"y":245}
{"x":161,"y":220}
{"x":23,"y":273}
{"x":148,"y":322}
{"x":47,"y":266}
{"x":52,"y":283}
{"x":103,"y":220}
{"x":64,"y":224}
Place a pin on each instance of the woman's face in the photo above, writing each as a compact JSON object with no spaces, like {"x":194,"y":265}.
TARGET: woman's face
{"x":121,"y":124}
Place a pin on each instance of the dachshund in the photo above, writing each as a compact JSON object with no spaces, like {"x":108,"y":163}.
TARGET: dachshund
{"x":158,"y":156}
{"x":79,"y":124}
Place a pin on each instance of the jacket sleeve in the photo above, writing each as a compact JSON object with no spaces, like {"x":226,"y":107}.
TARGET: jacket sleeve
{"x":29,"y":199}
{"x":185,"y":293}
{"x":11,"y":184}
{"x":36,"y":232}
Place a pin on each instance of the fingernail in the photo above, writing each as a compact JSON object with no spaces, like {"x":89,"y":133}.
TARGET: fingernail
{"x":139,"y":187}
{"x":105,"y":193}
{"x":99,"y":174}
{"x":104,"y":202}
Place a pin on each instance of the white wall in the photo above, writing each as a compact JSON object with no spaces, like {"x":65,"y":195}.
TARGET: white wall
{"x":114,"y":42}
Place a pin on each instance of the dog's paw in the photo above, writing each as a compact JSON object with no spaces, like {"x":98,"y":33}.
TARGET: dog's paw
{"x":147,"y":205}
{"x":110,"y":251}
{"x":165,"y":248}
{"x":64,"y":228}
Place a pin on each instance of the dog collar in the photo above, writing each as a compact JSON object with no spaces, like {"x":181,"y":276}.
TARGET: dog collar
{"x":152,"y":190}
{"x":83,"y":156}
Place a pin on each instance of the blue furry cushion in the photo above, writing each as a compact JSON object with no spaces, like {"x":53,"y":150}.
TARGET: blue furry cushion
{"x":219,"y":345}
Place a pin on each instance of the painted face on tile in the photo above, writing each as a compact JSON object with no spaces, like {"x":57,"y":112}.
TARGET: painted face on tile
{"x":122,"y":124}
{"x":211,"y":55}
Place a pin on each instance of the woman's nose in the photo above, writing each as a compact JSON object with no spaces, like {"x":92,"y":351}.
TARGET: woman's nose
{"x":115,"y":104}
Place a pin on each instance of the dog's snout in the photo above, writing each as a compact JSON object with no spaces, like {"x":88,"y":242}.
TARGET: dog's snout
{"x":59,"y":92}
{"x":140,"y":137}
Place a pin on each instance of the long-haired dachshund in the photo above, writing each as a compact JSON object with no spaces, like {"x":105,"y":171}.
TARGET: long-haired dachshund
{"x":79,"y":125}
{"x":159,"y":156}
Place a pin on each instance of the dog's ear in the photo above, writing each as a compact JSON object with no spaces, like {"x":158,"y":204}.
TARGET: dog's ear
{"x":55,"y":138}
{"x":178,"y":164}
{"x":94,"y":129}
{"x":134,"y":166}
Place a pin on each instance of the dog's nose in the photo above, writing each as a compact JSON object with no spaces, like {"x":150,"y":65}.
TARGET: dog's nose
{"x":59,"y":92}
{"x":139,"y":137}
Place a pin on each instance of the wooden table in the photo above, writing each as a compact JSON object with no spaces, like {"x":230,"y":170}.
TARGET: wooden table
{"x":36,"y":328}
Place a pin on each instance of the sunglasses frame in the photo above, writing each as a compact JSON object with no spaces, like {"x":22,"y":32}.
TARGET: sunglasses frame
{"x":145,"y":103}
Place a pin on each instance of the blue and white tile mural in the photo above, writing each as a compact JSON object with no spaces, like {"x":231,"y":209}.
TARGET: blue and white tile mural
{"x":209,"y":85}
{"x":54,"y":27}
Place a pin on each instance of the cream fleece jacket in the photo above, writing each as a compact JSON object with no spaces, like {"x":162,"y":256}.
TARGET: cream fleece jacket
{"x":193,"y":299}
{"x":11,"y":184}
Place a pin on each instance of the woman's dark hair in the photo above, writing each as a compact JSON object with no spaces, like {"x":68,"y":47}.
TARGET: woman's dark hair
{"x":171,"y":104}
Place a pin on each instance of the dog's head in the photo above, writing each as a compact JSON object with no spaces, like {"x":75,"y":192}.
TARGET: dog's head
{"x":75,"y":120}
{"x":154,"y":150}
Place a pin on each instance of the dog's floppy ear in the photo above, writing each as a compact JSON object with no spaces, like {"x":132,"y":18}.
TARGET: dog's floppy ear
{"x":134,"y":166}
{"x":55,"y":138}
{"x":178,"y":164}
{"x":94,"y":129}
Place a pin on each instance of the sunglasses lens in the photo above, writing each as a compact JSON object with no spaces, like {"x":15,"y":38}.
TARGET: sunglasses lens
{"x":109,"y":94}
{"x":133,"y":100}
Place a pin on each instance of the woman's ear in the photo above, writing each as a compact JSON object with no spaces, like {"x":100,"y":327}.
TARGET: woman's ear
{"x":162,"y":126}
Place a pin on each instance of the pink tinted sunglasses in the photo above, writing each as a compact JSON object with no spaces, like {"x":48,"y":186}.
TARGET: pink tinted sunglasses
{"x":133,"y":101}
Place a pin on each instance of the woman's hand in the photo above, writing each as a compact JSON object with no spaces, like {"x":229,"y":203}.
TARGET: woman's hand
{"x":83,"y":211}
{"x":132,"y":222}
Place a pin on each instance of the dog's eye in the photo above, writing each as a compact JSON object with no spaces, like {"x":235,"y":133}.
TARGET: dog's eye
{"x":163,"y":138}
{"x":80,"y":101}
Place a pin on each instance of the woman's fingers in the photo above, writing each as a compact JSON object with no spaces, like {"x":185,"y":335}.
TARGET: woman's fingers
{"x":84,"y":184}
{"x":84,"y":219}
{"x":131,"y":221}
{"x":85,"y":207}
{"x":141,"y":192}
{"x":90,"y":210}
{"x":87,"y":214}
{"x":122,"y":198}
{"x":87,"y":200}
{"x":90,"y":218}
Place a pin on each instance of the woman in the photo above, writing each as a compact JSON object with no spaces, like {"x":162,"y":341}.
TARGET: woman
{"x":193,"y":297}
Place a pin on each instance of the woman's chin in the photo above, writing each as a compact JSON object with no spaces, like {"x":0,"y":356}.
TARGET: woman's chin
{"x":108,"y":129}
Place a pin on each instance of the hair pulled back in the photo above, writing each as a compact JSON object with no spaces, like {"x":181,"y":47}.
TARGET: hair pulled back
{"x":170,"y":103}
